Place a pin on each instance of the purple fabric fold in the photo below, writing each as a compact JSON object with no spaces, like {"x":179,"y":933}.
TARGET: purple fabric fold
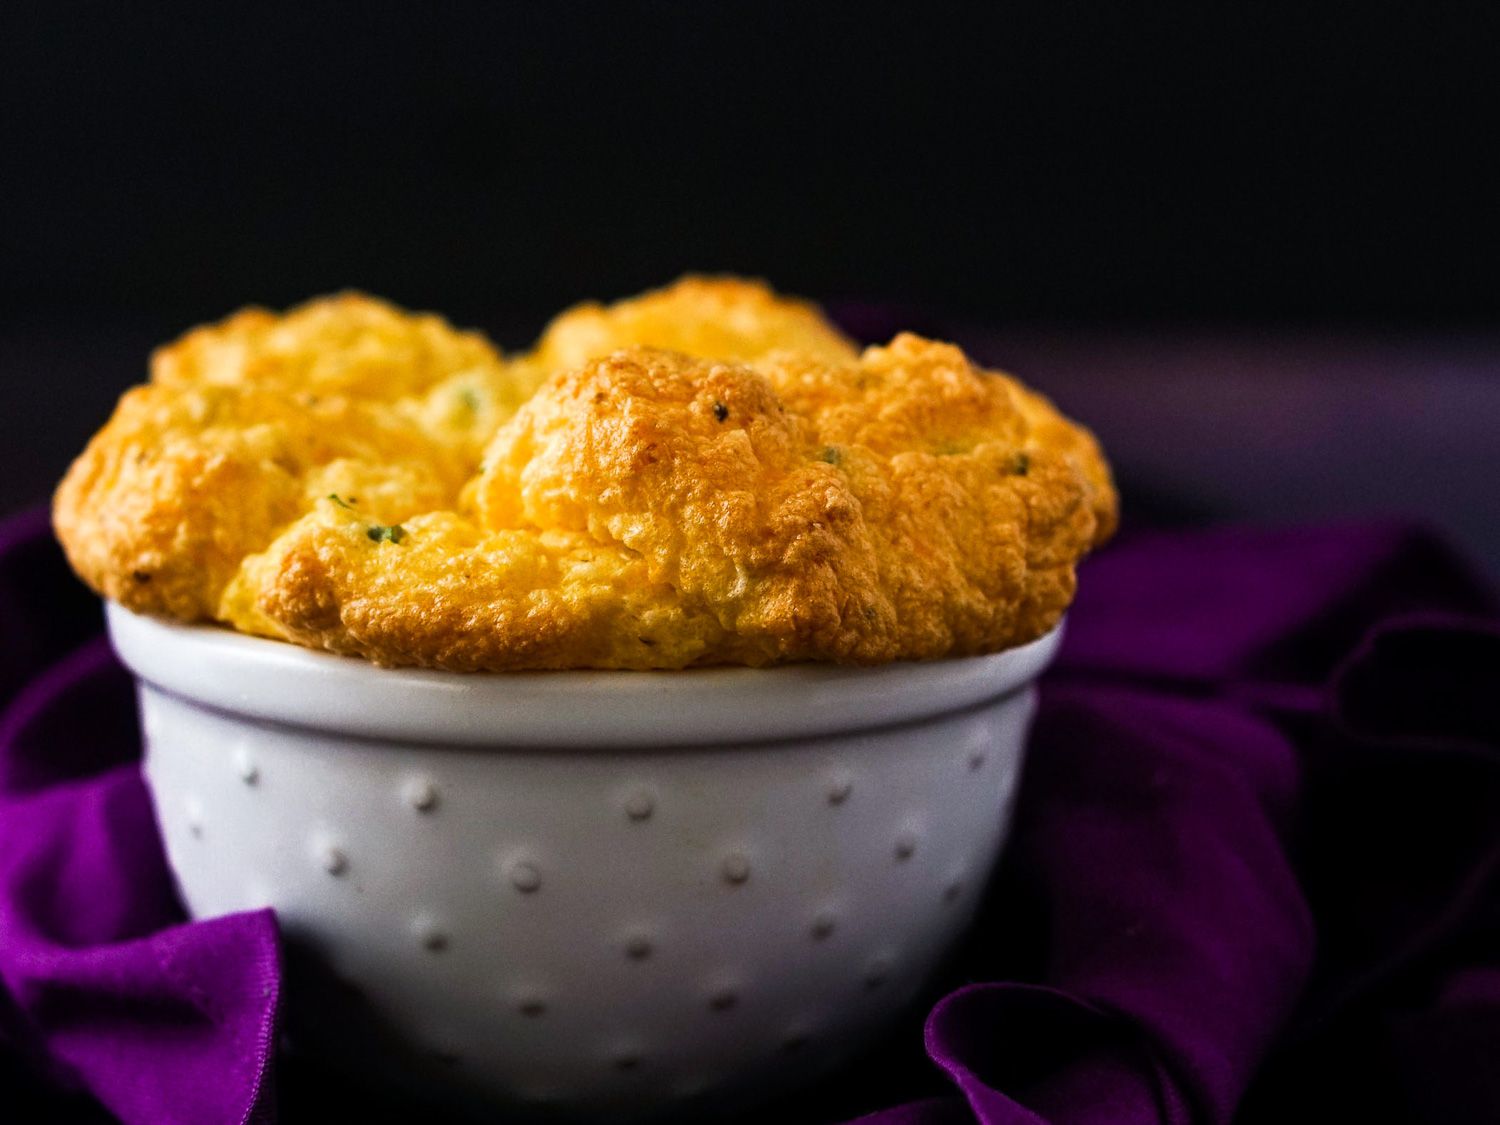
{"x":105,"y":988}
{"x":1254,"y":877}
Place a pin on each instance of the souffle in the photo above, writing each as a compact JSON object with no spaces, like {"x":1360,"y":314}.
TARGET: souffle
{"x":707,"y":474}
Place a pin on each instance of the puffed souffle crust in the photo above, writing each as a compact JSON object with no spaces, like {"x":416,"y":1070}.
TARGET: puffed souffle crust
{"x":707,"y":474}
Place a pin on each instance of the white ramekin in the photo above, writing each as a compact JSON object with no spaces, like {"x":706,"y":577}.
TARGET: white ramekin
{"x":587,"y":893}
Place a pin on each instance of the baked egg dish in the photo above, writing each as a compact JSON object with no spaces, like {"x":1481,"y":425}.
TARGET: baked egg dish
{"x":706,"y":474}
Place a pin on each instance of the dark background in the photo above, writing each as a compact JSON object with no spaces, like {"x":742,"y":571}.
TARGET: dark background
{"x":1254,"y":245}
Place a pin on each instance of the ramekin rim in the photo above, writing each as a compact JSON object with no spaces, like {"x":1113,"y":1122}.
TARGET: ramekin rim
{"x":278,"y":682}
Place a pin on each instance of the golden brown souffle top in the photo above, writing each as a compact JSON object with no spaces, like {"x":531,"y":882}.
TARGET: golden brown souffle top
{"x":706,"y":474}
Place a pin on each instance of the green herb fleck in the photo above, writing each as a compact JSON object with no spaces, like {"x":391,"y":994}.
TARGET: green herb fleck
{"x":1023,"y":464}
{"x":721,"y":412}
{"x":831,"y":455}
{"x":470,"y":398}
{"x":394,"y":533}
{"x":339,"y":500}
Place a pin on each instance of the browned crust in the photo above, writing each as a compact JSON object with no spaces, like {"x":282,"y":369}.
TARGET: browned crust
{"x":784,"y":499}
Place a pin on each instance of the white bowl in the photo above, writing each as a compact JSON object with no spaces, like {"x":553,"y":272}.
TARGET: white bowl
{"x":589,"y":893}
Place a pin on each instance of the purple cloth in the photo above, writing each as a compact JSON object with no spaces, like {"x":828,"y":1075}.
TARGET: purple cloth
{"x":1255,"y":874}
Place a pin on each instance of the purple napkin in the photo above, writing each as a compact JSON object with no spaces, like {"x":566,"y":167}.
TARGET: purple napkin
{"x":1255,"y":873}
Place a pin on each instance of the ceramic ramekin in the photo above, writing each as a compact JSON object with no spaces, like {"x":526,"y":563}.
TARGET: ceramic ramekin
{"x":591,"y":894}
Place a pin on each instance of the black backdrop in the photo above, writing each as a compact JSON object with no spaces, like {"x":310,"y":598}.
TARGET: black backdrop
{"x":1056,"y":160}
{"x":1011,"y":165}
